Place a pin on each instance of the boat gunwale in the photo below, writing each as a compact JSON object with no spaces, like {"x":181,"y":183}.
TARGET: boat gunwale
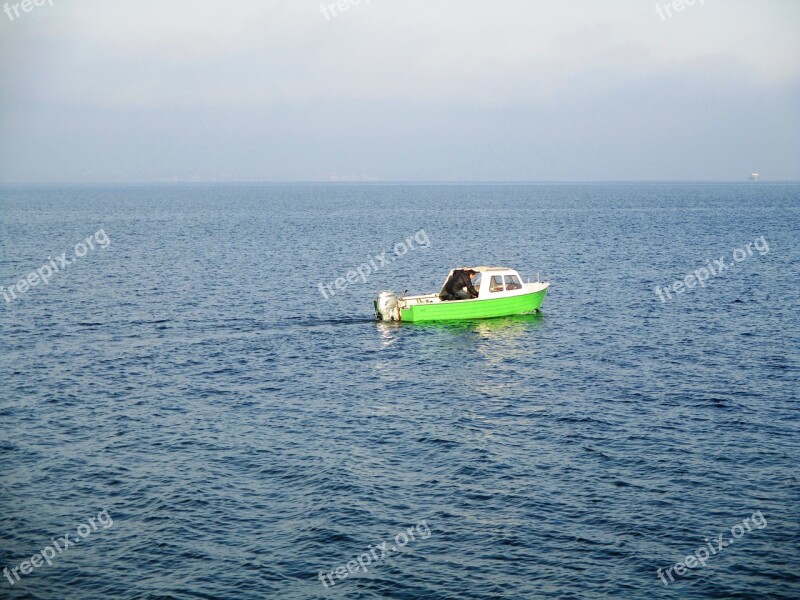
{"x":534,"y":287}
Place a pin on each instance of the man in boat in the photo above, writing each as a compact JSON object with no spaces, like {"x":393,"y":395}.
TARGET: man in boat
{"x":454,"y":289}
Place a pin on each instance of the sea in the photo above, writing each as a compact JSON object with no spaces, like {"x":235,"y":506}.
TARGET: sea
{"x":196,"y":401}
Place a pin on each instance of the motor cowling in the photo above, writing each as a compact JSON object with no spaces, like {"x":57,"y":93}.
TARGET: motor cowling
{"x":386,"y":307}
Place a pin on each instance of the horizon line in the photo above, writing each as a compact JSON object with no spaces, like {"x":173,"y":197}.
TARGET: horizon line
{"x":167,"y":182}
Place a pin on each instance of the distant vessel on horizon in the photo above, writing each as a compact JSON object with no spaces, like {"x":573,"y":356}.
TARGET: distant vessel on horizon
{"x":755,"y":176}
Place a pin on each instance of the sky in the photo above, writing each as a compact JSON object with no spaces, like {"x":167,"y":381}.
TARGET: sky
{"x":399,"y":90}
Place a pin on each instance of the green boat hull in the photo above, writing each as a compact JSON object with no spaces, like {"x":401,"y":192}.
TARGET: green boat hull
{"x":474,"y":309}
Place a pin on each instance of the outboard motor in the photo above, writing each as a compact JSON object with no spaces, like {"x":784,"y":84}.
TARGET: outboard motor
{"x":386,"y":308}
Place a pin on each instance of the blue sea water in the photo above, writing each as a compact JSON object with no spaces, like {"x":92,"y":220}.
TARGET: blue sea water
{"x":244,"y":432}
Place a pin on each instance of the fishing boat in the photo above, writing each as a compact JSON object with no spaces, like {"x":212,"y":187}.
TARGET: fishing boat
{"x":501,"y":293}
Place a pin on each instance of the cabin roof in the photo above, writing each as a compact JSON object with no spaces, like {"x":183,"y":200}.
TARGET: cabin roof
{"x":484,"y":269}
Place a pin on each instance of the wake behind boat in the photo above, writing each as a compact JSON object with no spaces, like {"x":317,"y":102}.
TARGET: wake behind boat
{"x":488,"y":292}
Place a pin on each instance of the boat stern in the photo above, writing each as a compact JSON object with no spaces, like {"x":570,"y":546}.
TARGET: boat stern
{"x":387,"y":307}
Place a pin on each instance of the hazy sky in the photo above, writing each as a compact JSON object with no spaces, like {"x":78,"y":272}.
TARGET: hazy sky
{"x":145,"y":90}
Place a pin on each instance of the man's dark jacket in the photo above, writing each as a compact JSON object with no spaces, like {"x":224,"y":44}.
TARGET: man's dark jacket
{"x":460,"y":279}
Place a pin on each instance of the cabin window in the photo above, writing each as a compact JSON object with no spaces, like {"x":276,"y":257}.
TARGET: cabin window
{"x":513,"y":282}
{"x":496,"y":285}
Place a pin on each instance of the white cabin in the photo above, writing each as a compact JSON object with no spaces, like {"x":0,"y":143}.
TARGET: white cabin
{"x":493,"y":282}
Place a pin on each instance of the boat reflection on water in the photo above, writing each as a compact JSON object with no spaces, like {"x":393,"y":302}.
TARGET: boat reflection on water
{"x":388,"y":331}
{"x":482,"y":326}
{"x":496,"y":348}
{"x":495,"y":339}
{"x":509,"y":339}
{"x":498,"y":329}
